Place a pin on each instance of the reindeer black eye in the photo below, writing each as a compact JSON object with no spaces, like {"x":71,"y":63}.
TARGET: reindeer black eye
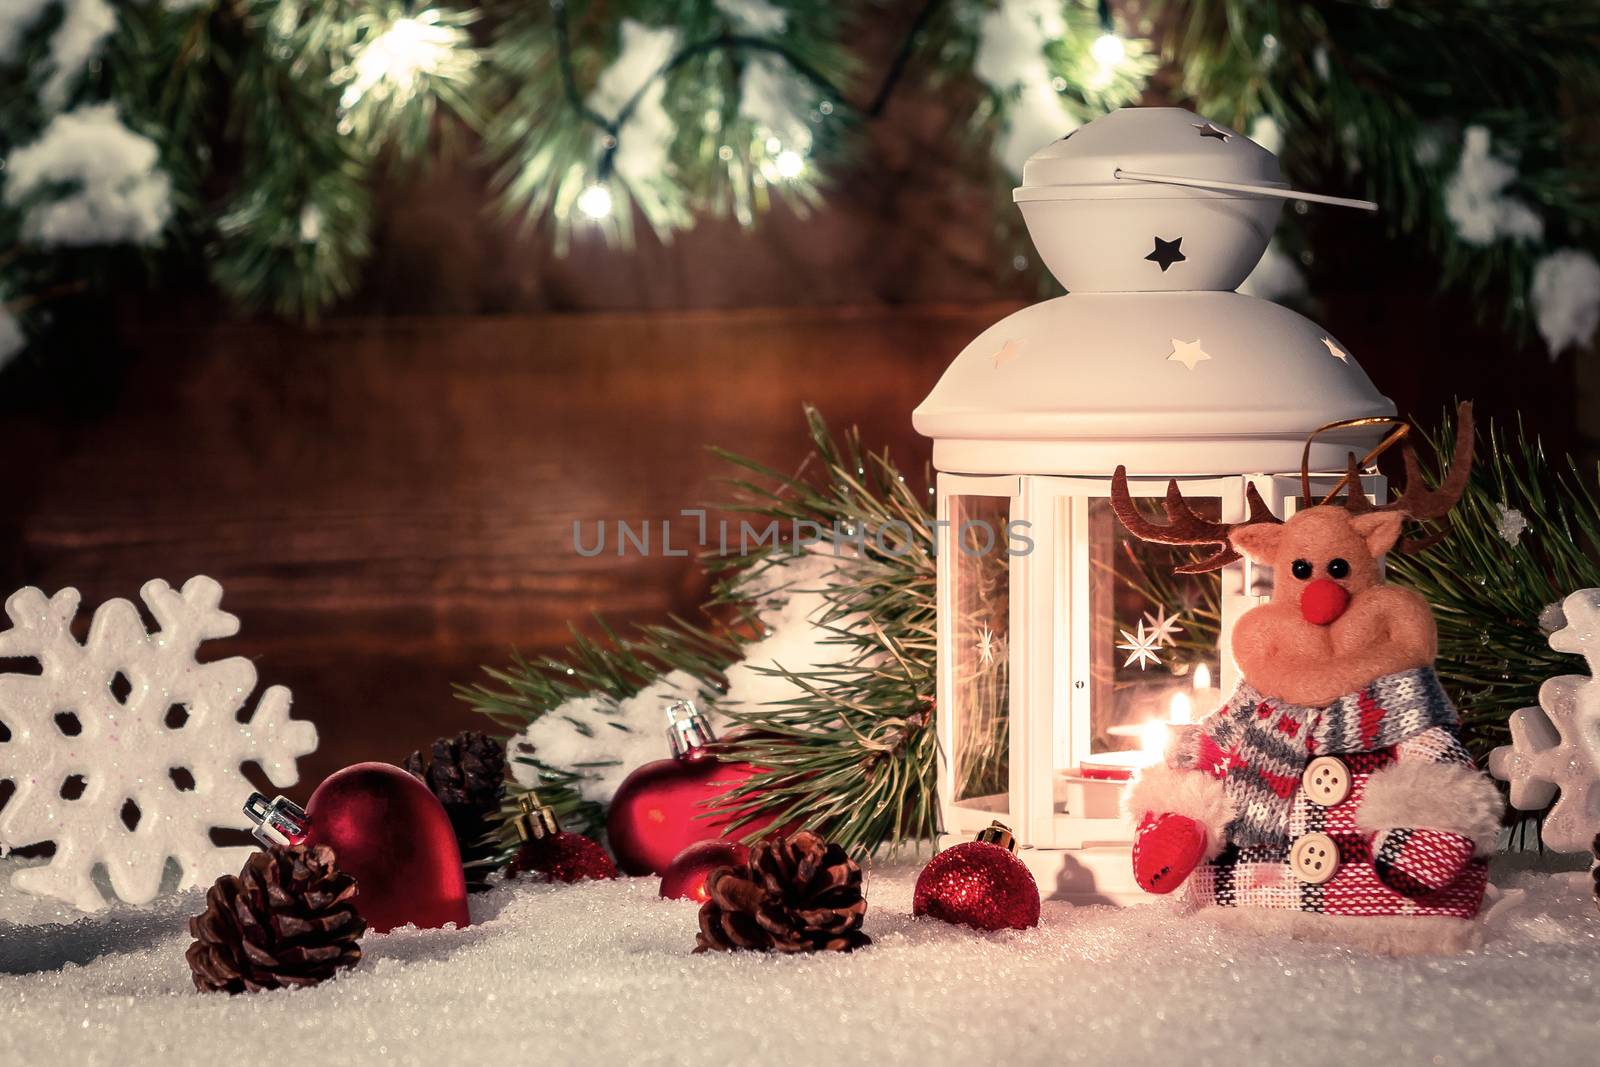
{"x":1301,"y":569}
{"x":1338,"y":568}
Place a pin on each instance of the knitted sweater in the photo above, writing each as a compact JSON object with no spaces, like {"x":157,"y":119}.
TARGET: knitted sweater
{"x":1408,"y":832}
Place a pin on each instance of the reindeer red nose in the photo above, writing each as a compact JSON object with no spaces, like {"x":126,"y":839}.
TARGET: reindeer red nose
{"x":1323,"y":601}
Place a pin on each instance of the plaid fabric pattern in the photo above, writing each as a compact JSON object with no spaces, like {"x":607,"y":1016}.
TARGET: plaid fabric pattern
{"x":1259,"y":747}
{"x":1419,"y":861}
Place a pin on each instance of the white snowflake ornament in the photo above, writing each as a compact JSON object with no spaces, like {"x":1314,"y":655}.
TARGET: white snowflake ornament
{"x":128,"y":727}
{"x":1555,"y":748}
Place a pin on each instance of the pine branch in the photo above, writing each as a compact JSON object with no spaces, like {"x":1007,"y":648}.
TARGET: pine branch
{"x":864,"y":725}
{"x":1374,"y":100}
{"x":1490,"y":594}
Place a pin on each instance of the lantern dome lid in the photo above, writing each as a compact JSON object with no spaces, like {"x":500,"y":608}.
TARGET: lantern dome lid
{"x":1161,"y":140}
{"x":1178,"y":383}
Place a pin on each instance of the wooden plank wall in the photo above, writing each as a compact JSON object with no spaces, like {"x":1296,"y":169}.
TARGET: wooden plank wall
{"x":389,"y":503}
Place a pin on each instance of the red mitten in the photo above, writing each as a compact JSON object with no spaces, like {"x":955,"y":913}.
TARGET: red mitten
{"x":1418,"y":862}
{"x":1166,"y":848}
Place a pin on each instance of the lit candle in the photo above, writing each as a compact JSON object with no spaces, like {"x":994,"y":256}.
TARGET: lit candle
{"x":1206,"y":699}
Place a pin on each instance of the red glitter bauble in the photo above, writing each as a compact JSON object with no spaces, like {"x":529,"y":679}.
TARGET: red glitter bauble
{"x":978,"y":884}
{"x":564,"y":857}
{"x":660,"y":809}
{"x":685,"y":878}
{"x":390,"y":833}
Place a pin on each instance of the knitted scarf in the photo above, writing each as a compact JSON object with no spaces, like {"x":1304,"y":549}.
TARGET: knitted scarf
{"x":1260,"y":745}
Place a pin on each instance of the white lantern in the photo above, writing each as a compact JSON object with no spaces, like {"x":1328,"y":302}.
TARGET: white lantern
{"x":1065,"y":643}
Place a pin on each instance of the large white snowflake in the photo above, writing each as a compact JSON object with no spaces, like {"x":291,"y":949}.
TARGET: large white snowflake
{"x":127,"y":727}
{"x":1555,"y":748}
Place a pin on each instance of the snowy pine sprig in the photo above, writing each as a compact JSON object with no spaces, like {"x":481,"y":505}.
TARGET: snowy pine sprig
{"x":1525,"y":534}
{"x":825,"y":660}
{"x":1479,"y":184}
{"x":273,"y":121}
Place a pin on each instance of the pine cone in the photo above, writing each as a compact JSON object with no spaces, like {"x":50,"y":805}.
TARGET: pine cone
{"x":285,"y":920}
{"x":468,"y":775}
{"x":794,"y":894}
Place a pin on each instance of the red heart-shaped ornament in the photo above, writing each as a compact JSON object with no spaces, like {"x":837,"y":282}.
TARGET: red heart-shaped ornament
{"x":391,"y":834}
{"x":667,"y":805}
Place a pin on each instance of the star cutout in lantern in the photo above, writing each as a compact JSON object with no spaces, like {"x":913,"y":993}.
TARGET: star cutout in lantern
{"x":1167,"y":253}
{"x":1163,"y":627}
{"x":1008,"y":352}
{"x":1142,"y":646}
{"x":1208,"y":130}
{"x":988,"y":646}
{"x":1335,"y":351}
{"x":1188,"y":353}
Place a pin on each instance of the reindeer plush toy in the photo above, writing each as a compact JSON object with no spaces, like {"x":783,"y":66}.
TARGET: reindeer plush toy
{"x":1330,"y":797}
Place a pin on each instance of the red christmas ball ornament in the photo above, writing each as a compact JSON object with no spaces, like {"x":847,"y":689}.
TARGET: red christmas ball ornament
{"x":387,"y":831}
{"x":661,"y":808}
{"x":980,"y":884}
{"x":685,"y":877}
{"x":552,"y":852}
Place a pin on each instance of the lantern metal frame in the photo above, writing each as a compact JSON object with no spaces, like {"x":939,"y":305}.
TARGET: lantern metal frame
{"x":1081,"y":851}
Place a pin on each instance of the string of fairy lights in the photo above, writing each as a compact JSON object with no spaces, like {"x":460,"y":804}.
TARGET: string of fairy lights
{"x":420,"y":45}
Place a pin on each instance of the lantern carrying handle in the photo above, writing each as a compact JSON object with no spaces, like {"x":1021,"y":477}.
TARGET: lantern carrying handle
{"x":1244,"y":187}
{"x":1392,"y":438}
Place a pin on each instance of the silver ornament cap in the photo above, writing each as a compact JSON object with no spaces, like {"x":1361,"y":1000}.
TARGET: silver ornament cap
{"x":687,"y":728}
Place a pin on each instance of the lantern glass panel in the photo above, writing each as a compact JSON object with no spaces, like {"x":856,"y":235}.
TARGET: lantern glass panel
{"x":979,"y":647}
{"x":1153,"y":640}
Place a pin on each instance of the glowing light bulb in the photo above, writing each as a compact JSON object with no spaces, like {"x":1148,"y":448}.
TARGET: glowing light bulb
{"x":1108,"y":50}
{"x":1182,"y":710}
{"x":595,"y":201}
{"x":790,"y":164}
{"x":393,"y":62}
{"x":1202,"y":677}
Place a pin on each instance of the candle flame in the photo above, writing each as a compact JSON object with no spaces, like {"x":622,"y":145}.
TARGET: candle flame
{"x":1182,"y":710}
{"x":1202,"y":677}
{"x":1154,"y":739}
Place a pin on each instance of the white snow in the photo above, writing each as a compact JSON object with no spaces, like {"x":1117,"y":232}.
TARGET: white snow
{"x":84,"y":27}
{"x":12,"y":339}
{"x":1511,"y":525}
{"x":1566,"y":299}
{"x":117,"y":195}
{"x":1475,"y":198}
{"x":776,"y":100}
{"x":644,"y":139}
{"x":584,"y":735}
{"x":795,"y":641}
{"x":754,"y":16}
{"x":310,"y":224}
{"x":16,"y":18}
{"x":601,"y":973}
{"x":1010,"y":59}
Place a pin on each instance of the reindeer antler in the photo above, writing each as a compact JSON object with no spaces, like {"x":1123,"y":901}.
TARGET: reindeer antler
{"x":1417,"y":501}
{"x":1183,"y":526}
